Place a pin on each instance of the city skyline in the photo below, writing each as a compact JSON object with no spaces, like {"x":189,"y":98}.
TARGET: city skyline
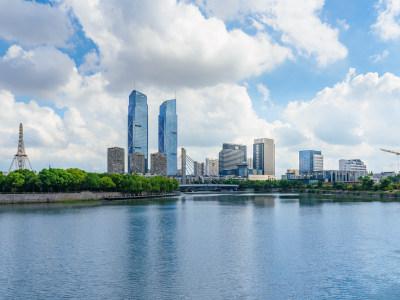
{"x":310,"y":78}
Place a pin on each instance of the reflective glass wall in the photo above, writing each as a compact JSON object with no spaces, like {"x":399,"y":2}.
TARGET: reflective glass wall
{"x":168,"y":134}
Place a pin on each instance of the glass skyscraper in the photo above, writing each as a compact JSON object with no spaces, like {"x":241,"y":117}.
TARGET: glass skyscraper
{"x":310,"y":161}
{"x":138,"y":138}
{"x":168,"y":134}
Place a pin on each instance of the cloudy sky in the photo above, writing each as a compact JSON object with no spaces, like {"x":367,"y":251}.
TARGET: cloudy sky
{"x":311,"y":74}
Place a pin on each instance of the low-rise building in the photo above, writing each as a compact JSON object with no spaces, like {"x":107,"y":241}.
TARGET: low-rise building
{"x":261,"y":177}
{"x":352,"y":165}
{"x":377,"y":177}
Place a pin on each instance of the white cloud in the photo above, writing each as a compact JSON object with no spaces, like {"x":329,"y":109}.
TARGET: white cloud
{"x":342,"y":23}
{"x":297,"y":20}
{"x":353,"y":119}
{"x":387,"y":25}
{"x":264,"y":91}
{"x":40,"y":71}
{"x":171,"y":43}
{"x":32,"y":23}
{"x":379,"y":57}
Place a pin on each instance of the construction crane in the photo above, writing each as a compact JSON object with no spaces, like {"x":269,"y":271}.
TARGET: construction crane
{"x":390,"y":151}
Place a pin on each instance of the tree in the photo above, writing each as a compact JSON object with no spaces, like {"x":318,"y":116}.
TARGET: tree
{"x":367,"y":183}
{"x":107,"y":184}
{"x":385,"y":184}
{"x":78,"y":177}
{"x":93,"y":182}
{"x":14,"y":181}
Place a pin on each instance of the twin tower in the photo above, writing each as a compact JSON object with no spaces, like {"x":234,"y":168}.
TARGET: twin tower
{"x":138,"y":135}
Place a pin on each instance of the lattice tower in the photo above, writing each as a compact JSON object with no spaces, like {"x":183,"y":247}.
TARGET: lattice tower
{"x":20,"y":158}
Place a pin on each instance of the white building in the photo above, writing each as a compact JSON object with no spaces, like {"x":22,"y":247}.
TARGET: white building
{"x":352,"y":165}
{"x":212,"y":167}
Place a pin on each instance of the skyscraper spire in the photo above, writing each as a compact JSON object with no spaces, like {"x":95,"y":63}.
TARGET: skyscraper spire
{"x":20,"y":158}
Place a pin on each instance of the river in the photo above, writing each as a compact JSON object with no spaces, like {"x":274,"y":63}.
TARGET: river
{"x":232,"y":246}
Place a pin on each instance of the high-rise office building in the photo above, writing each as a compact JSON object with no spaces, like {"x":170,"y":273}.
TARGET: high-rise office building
{"x":138,"y":138}
{"x":159,"y":164}
{"x":212,"y":167}
{"x":198,"y":168}
{"x":352,"y":165}
{"x":230,"y":157}
{"x":310,"y":161}
{"x":264,"y":156}
{"x":137,"y":163}
{"x":115,"y":160}
{"x":168,"y":134}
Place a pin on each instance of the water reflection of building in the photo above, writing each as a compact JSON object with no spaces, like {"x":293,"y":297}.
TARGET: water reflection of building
{"x":264,"y":201}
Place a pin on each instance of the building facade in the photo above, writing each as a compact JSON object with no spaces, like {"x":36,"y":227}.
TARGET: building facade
{"x":352,"y":165}
{"x":310,"y":161}
{"x":264,"y":156}
{"x":168,"y":134}
{"x":230,"y":157}
{"x":158,"y":164}
{"x":212,"y":167}
{"x":198,"y":169}
{"x":115,"y":160}
{"x":137,"y":163}
{"x":138,"y":138}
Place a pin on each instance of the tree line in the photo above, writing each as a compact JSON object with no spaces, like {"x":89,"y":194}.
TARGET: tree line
{"x":367,"y":184}
{"x":74,"y":180}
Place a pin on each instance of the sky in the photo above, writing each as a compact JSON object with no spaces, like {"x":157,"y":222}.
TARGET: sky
{"x":310,"y":74}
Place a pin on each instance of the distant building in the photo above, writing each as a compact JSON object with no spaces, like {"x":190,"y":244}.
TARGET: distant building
{"x":230,"y":157}
{"x":352,"y":165}
{"x":115,"y":160}
{"x":137,"y":163}
{"x":331,"y":176}
{"x":310,"y":161}
{"x":292,"y":171}
{"x":264,"y":156}
{"x":168,"y":134}
{"x":377,"y":177}
{"x":261,"y":177}
{"x":291,"y":174}
{"x":198,"y":168}
{"x":159,"y":164}
{"x":250,"y":163}
{"x":138,"y":138}
{"x":212,"y":167}
{"x":243,"y":169}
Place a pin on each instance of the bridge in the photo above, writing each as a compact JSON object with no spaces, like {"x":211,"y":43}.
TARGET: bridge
{"x":208,"y":187}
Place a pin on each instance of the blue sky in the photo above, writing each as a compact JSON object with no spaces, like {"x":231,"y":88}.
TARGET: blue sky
{"x":241,"y":71}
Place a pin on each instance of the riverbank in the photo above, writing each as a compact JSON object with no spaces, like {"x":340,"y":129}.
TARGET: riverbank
{"x":74,"y":197}
{"x":388,"y":195}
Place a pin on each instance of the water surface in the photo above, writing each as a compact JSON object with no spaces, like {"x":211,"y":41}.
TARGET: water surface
{"x":202,"y":247}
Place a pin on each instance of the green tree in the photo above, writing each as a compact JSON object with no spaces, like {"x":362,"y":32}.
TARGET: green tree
{"x":78,"y":178}
{"x":93,"y":182}
{"x":107,"y":183}
{"x":14,"y":182}
{"x":385,"y":184}
{"x":367,"y":183}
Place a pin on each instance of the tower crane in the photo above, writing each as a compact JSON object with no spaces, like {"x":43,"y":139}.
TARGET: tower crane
{"x":390,"y":151}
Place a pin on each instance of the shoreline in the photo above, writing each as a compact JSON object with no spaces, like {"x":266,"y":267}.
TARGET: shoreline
{"x":75,"y":197}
